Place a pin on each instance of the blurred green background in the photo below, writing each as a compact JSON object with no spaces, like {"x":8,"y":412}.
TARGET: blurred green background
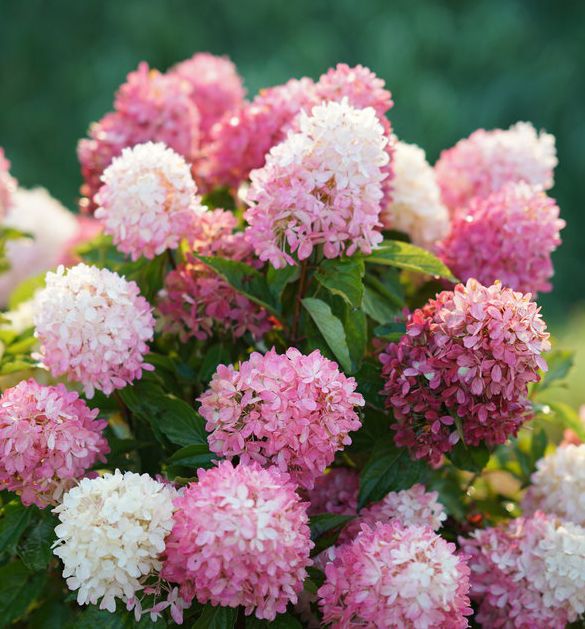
{"x":452,"y":67}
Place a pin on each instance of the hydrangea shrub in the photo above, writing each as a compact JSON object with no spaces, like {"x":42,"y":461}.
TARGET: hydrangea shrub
{"x":283,"y":370}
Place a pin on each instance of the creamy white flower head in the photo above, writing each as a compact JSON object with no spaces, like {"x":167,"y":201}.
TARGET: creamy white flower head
{"x":148,"y":201}
{"x":558,"y":485}
{"x":93,"y":326}
{"x":20,"y":318}
{"x":111,"y":535}
{"x":51,"y":227}
{"x":554,"y":561}
{"x":416,"y":208}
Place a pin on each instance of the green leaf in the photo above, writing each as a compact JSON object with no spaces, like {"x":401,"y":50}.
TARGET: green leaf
{"x":217,"y":618}
{"x":244,"y":278}
{"x":194,"y":456}
{"x":13,"y":522}
{"x":343,"y":277}
{"x":469,"y":458}
{"x":97,"y":618}
{"x":563,"y":414}
{"x":18,"y":590}
{"x":35,"y":549}
{"x":282,"y":621}
{"x":325,"y":522}
{"x":391,"y":331}
{"x":278,"y":279}
{"x":560,"y":362}
{"x":173,"y":417}
{"x":403,"y":255}
{"x":388,"y":469}
{"x":26,"y":290}
{"x":215,"y":355}
{"x":378,"y":307}
{"x":331,"y":328}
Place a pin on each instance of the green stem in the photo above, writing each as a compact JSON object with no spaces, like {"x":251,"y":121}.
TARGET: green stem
{"x":298,"y":301}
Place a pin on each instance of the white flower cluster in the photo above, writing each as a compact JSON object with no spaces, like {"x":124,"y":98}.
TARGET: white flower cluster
{"x":111,"y":535}
{"x":93,"y":325}
{"x":555,"y":563}
{"x":558,"y":485}
{"x":148,"y":201}
{"x":416,"y":208}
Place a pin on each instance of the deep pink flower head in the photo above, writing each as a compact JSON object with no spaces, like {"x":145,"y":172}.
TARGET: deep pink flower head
{"x":321,"y":186}
{"x":93,"y":326}
{"x":396,"y":576}
{"x":335,"y":492}
{"x":464,"y":366}
{"x":49,"y":438}
{"x":195,"y":301}
{"x":150,"y":106}
{"x":240,"y":538}
{"x":288,"y":410}
{"x":528,"y":573}
{"x":216,"y":86}
{"x":148,"y":201}
{"x":507,"y":236}
{"x":486,"y":160}
{"x":243,"y":137}
{"x":412,"y":507}
{"x":7,"y":185}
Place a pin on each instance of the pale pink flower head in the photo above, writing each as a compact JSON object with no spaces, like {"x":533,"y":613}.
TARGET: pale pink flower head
{"x":240,"y":538}
{"x":528,"y":573}
{"x":148,"y":201}
{"x":150,"y":106}
{"x":558,"y":485}
{"x":463,"y":367}
{"x":51,"y":227}
{"x":486,"y":160}
{"x":241,"y":139}
{"x":507,"y":236}
{"x":196,"y":302}
{"x":93,"y":327}
{"x":7,"y":185}
{"x":335,"y":492}
{"x":416,"y":208}
{"x":49,"y":438}
{"x":321,"y":186}
{"x":216,"y":86}
{"x":412,"y":507}
{"x":288,"y":410}
{"x":396,"y":576}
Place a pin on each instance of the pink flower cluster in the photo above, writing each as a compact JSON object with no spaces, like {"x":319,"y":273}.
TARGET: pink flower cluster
{"x":321,"y":186}
{"x":463,"y":367}
{"x":507,"y":236}
{"x":240,"y":537}
{"x":7,"y":185}
{"x":486,"y":160}
{"x":49,"y":438}
{"x":288,"y":410}
{"x":150,"y":106}
{"x":527,"y":573}
{"x":396,"y":576}
{"x":216,"y":87}
{"x":335,"y":492}
{"x":242,"y":138}
{"x":411,"y":507}
{"x":93,"y":326}
{"x":245,"y":135}
{"x":195,"y":300}
{"x":148,"y":201}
